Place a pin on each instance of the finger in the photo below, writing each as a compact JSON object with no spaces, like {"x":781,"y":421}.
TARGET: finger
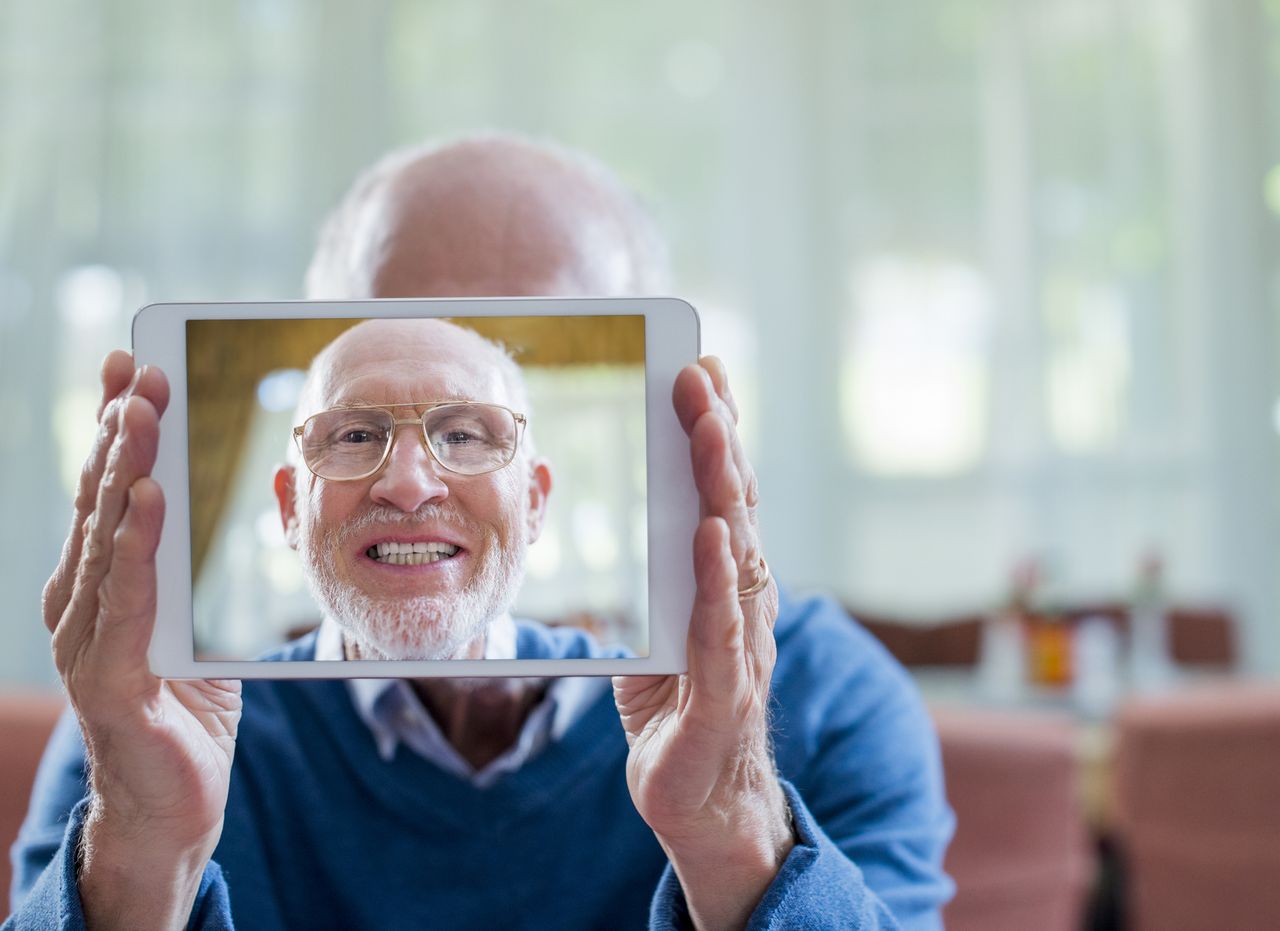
{"x":153,"y":385}
{"x":127,"y":601}
{"x":702,"y":387}
{"x":131,"y":457}
{"x":716,"y":626}
{"x":721,"y":493}
{"x":714,"y":367}
{"x":117,"y":373}
{"x":119,"y":382}
{"x":691,"y":395}
{"x":694,"y":395}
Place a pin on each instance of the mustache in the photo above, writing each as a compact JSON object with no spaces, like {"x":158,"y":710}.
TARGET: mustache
{"x":381,"y":517}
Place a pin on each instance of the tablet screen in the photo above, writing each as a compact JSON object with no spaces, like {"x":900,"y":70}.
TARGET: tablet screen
{"x":414,"y":532}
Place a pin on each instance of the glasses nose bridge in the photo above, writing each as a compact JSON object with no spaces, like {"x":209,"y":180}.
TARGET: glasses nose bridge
{"x":420,"y":423}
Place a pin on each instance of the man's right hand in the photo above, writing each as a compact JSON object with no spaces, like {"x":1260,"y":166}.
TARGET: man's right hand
{"x":159,"y":753}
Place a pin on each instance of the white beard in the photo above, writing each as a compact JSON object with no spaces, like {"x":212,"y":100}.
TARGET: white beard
{"x":423,"y":627}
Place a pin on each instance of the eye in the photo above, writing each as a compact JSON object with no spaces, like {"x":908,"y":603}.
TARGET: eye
{"x":357,"y":435}
{"x":461,"y":431}
{"x":459,"y":437}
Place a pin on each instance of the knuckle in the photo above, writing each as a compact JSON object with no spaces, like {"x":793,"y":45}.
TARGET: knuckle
{"x":86,"y":491}
{"x":112,"y":473}
{"x":87,"y":487}
{"x":751,"y":488}
{"x":110,"y":415}
{"x":65,"y":646}
{"x":94,"y":561}
{"x":92,"y":473}
{"x":52,"y":598}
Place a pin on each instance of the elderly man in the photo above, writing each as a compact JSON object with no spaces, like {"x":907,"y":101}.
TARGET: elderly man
{"x":789,"y":779}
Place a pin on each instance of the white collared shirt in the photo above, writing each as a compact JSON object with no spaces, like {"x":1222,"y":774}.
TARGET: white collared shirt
{"x":394,"y":714}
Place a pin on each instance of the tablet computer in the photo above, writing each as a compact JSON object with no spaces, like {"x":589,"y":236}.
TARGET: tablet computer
{"x":436,"y":487}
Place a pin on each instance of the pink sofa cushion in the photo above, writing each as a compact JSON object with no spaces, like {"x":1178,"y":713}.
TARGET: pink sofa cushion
{"x":1021,"y":857}
{"x":1197,"y":802}
{"x":26,"y":720}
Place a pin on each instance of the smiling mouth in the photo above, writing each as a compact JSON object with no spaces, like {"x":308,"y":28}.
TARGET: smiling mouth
{"x":410,"y":554}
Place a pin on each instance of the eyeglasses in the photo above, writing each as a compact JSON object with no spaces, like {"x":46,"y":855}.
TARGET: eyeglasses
{"x":466,"y":437}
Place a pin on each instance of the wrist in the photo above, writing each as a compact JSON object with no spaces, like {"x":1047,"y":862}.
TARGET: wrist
{"x":725,"y":867}
{"x":134,"y":876}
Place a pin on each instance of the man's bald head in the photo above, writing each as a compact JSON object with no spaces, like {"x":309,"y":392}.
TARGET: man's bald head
{"x":490,"y":215}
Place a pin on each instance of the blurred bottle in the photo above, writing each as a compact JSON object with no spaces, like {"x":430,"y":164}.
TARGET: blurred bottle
{"x":1048,"y":635}
{"x":1002,"y":669}
{"x":1096,"y":654}
{"x":1150,"y":667}
{"x":1050,"y":650}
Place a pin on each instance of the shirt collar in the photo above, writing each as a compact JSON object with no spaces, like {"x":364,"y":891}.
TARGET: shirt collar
{"x":393,"y":713}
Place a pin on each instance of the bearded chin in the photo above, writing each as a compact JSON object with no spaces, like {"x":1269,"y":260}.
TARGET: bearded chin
{"x":422,"y":627}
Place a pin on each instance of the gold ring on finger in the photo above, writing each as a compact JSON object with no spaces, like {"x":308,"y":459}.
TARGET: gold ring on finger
{"x":759,"y":585}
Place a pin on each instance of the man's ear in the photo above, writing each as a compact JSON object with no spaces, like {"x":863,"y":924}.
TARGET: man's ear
{"x":539,"y":489}
{"x":285,"y":497}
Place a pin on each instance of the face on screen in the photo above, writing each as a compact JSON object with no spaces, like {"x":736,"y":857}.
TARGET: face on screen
{"x":415,"y":560}
{"x":418,"y":483}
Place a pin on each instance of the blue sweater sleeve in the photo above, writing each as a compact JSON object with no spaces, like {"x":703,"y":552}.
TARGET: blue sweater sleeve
{"x":862,"y":775}
{"x":817,"y":887}
{"x":54,"y":900}
{"x":45,"y":892}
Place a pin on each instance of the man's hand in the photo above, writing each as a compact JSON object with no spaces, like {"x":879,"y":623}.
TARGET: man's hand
{"x":159,"y":752}
{"x":700,"y":769}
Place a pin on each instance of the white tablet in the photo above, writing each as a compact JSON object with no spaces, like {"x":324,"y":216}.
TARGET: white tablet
{"x":445,"y":487}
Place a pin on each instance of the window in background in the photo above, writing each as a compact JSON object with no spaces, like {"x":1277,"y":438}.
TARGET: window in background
{"x":914,"y":383}
{"x":1087,"y":372}
{"x":93,"y":302}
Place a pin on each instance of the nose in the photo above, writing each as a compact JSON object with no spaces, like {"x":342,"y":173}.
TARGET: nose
{"x":411,"y":476}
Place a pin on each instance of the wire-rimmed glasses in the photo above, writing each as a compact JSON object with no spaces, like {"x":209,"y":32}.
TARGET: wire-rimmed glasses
{"x":465,"y":437}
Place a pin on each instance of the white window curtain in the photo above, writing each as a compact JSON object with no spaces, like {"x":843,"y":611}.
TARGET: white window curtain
{"x":1041,"y":223}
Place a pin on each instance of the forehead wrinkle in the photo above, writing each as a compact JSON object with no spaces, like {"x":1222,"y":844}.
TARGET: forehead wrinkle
{"x":416,"y":384}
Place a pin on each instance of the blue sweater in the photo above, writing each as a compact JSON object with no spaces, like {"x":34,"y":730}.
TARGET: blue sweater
{"x":322,"y":833}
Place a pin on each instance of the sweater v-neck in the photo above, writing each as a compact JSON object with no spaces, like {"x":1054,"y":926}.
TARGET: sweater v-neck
{"x":412,"y":785}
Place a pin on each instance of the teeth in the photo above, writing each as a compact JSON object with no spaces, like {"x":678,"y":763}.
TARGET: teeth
{"x":411,"y":554}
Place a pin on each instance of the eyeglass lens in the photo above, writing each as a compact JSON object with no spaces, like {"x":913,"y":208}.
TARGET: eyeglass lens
{"x":468,"y":438}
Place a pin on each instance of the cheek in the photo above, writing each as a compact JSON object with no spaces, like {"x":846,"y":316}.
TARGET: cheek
{"x":325,"y":504}
{"x":500,"y":505}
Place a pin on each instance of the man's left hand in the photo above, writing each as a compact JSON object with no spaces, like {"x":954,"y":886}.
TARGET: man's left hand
{"x":700,"y":769}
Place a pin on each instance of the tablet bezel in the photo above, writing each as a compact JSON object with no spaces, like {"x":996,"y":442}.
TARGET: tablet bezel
{"x":672,"y":341}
